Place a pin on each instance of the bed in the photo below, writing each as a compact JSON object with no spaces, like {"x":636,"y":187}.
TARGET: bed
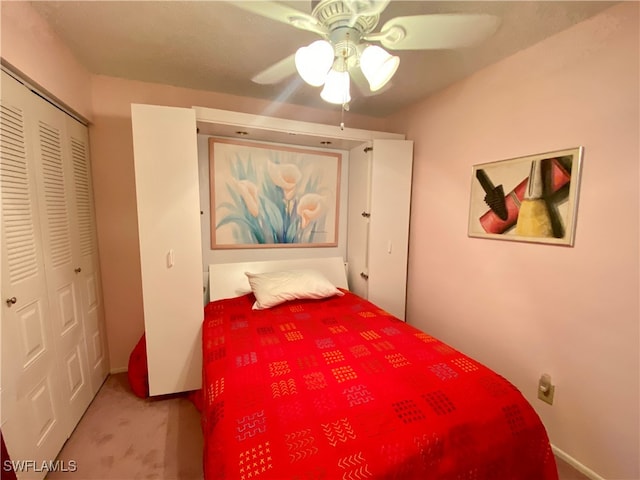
{"x":333,"y":387}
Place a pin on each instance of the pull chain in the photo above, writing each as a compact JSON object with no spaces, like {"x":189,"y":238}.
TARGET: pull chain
{"x":345,"y":108}
{"x":345,"y":104}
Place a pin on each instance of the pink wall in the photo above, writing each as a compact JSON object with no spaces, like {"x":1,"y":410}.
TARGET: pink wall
{"x":525,"y":309}
{"x":31,"y":47}
{"x":114,"y":187}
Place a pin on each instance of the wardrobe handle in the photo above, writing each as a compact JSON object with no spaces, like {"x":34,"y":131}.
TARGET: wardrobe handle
{"x":11,"y":301}
{"x":78,"y":270}
{"x":365,"y":214}
{"x":364,"y":275}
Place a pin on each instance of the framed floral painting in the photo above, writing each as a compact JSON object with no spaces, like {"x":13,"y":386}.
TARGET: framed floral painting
{"x":268,"y":196}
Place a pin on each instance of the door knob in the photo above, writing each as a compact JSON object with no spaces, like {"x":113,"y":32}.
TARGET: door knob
{"x":11,"y":301}
{"x":78,"y":270}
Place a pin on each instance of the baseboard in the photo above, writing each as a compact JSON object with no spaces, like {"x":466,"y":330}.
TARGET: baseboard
{"x":576,"y":464}
{"x":118,"y":370}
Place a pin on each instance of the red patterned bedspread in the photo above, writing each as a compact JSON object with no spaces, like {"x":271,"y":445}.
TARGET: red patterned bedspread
{"x":339,"y":389}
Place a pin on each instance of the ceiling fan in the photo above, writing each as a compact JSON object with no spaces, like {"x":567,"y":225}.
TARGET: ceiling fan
{"x":348,"y":47}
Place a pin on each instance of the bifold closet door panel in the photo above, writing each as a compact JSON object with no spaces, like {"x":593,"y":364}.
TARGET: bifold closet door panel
{"x":88,"y":263}
{"x":168,"y":202}
{"x":34,"y":413}
{"x":61,"y":255}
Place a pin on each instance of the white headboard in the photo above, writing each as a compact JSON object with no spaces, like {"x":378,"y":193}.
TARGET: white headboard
{"x":227,"y":280}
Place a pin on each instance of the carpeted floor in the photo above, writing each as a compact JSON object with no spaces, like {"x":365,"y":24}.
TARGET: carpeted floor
{"x":123,"y":437}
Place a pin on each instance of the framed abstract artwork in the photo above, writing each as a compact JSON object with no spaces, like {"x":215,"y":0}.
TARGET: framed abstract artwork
{"x":269,"y":196}
{"x":527,"y":199}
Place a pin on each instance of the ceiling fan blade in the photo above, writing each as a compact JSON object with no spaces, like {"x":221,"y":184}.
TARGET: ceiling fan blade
{"x":441,"y":31}
{"x":282,"y":13}
{"x":276,"y":72}
{"x":364,"y":8}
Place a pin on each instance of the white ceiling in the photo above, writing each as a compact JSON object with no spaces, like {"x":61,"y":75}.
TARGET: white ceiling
{"x":216,"y":46}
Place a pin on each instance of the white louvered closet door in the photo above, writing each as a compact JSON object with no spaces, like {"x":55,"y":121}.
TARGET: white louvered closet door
{"x":34,"y":421}
{"x":62,"y":255}
{"x":53,"y":355}
{"x":88,"y":270}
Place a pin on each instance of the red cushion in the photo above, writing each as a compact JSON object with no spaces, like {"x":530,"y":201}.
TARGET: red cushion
{"x":7,"y":467}
{"x":138,"y":373}
{"x":196,"y":398}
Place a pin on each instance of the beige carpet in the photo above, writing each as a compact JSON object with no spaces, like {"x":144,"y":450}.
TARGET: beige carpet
{"x":123,"y":437}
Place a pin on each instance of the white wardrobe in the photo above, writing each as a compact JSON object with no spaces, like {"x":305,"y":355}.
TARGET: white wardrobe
{"x":170,"y":238}
{"x":53,"y":337}
{"x":168,"y":201}
{"x":379,"y":207}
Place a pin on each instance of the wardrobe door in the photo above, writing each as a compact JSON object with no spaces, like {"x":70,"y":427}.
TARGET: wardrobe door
{"x":168,"y":200}
{"x":87,"y":269}
{"x":61,"y":256}
{"x":378,"y":235}
{"x":34,"y":422}
{"x":389,"y":224}
{"x":358,"y":219}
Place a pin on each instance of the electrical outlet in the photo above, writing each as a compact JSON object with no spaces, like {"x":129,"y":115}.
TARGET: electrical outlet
{"x":546,"y":389}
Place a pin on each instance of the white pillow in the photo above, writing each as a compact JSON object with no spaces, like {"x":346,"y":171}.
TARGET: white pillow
{"x":274,"y":288}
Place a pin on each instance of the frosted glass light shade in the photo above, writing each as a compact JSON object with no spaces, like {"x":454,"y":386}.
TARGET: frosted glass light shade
{"x":378,"y":66}
{"x":336,"y":88}
{"x":314,"y":61}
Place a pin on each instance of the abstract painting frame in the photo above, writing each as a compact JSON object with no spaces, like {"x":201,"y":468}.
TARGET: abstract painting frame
{"x":266,"y":195}
{"x":527,"y":199}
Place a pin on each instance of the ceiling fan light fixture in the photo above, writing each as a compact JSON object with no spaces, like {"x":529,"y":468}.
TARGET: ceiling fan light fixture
{"x":378,"y":66}
{"x":336,"y":88}
{"x":314,"y":61}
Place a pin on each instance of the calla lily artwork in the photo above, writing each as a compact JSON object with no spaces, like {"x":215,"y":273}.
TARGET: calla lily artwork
{"x":267,"y":195}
